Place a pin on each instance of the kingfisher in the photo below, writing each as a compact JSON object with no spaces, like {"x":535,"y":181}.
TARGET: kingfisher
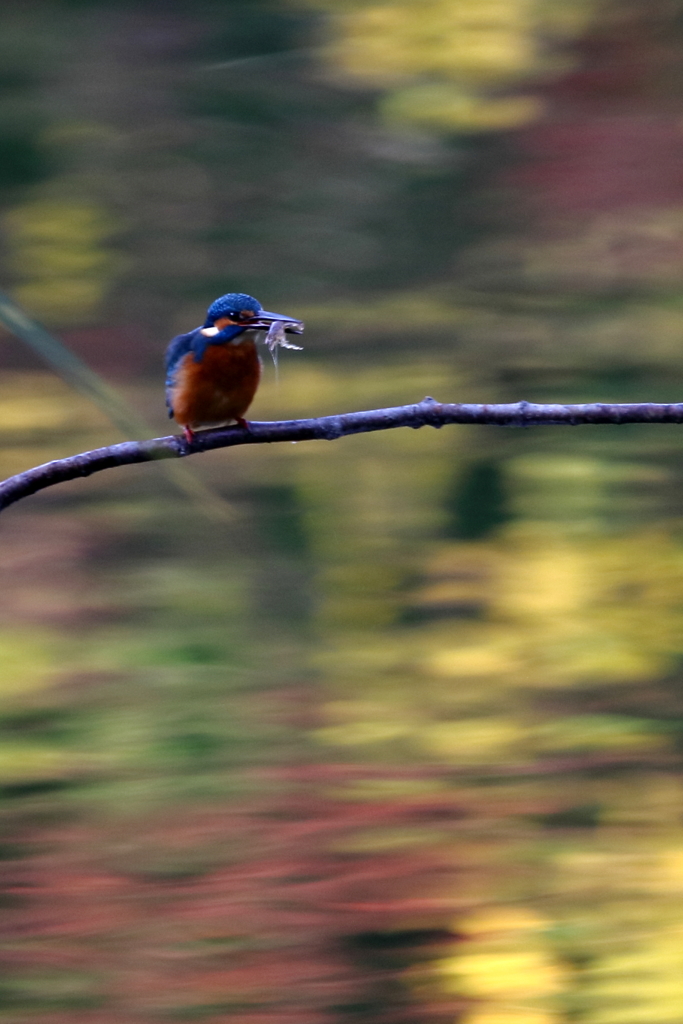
{"x":212,"y":372}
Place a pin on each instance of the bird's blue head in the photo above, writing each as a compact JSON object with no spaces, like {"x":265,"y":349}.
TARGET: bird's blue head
{"x":237,"y":306}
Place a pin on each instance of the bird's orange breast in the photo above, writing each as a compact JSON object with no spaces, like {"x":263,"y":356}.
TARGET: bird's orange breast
{"x":221,"y":387}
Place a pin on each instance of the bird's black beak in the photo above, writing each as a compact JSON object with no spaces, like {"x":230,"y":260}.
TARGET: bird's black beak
{"x":264,"y":320}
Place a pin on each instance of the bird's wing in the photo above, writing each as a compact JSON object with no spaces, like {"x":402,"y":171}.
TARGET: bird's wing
{"x":175,"y":353}
{"x":194,"y":342}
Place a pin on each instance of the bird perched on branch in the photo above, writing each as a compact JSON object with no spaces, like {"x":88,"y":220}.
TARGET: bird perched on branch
{"x":213,"y":372}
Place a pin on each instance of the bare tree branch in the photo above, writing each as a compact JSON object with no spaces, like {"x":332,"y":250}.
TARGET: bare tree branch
{"x":428,"y":412}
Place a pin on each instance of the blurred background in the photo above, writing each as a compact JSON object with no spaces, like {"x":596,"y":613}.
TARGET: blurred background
{"x":381,"y":731}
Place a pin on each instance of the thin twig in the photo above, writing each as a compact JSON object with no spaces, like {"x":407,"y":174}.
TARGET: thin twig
{"x":428,"y":412}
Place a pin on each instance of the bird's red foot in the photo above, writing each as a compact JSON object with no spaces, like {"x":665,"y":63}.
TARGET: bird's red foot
{"x":241,"y":422}
{"x":189,"y":434}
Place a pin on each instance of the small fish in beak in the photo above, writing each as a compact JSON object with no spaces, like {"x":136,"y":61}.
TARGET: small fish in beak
{"x":276,"y":338}
{"x":279,"y":326}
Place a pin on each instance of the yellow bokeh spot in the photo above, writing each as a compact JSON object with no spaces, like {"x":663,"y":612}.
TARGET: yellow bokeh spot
{"x":39,"y":402}
{"x":42,"y":222}
{"x":488,"y":39}
{"x":476,"y":660}
{"x":510,"y":1015}
{"x":20,"y":761}
{"x":598,"y":732}
{"x":548,"y":580}
{"x":639,"y":985}
{"x":58,"y":300}
{"x":58,"y":260}
{"x":26,"y":663}
{"x":358,"y":733}
{"x":500,"y":921}
{"x":446,"y":61}
{"x":507,"y":973}
{"x":58,"y":251}
{"x":472,"y":740}
{"x":666,"y":875}
{"x":446,"y":108}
